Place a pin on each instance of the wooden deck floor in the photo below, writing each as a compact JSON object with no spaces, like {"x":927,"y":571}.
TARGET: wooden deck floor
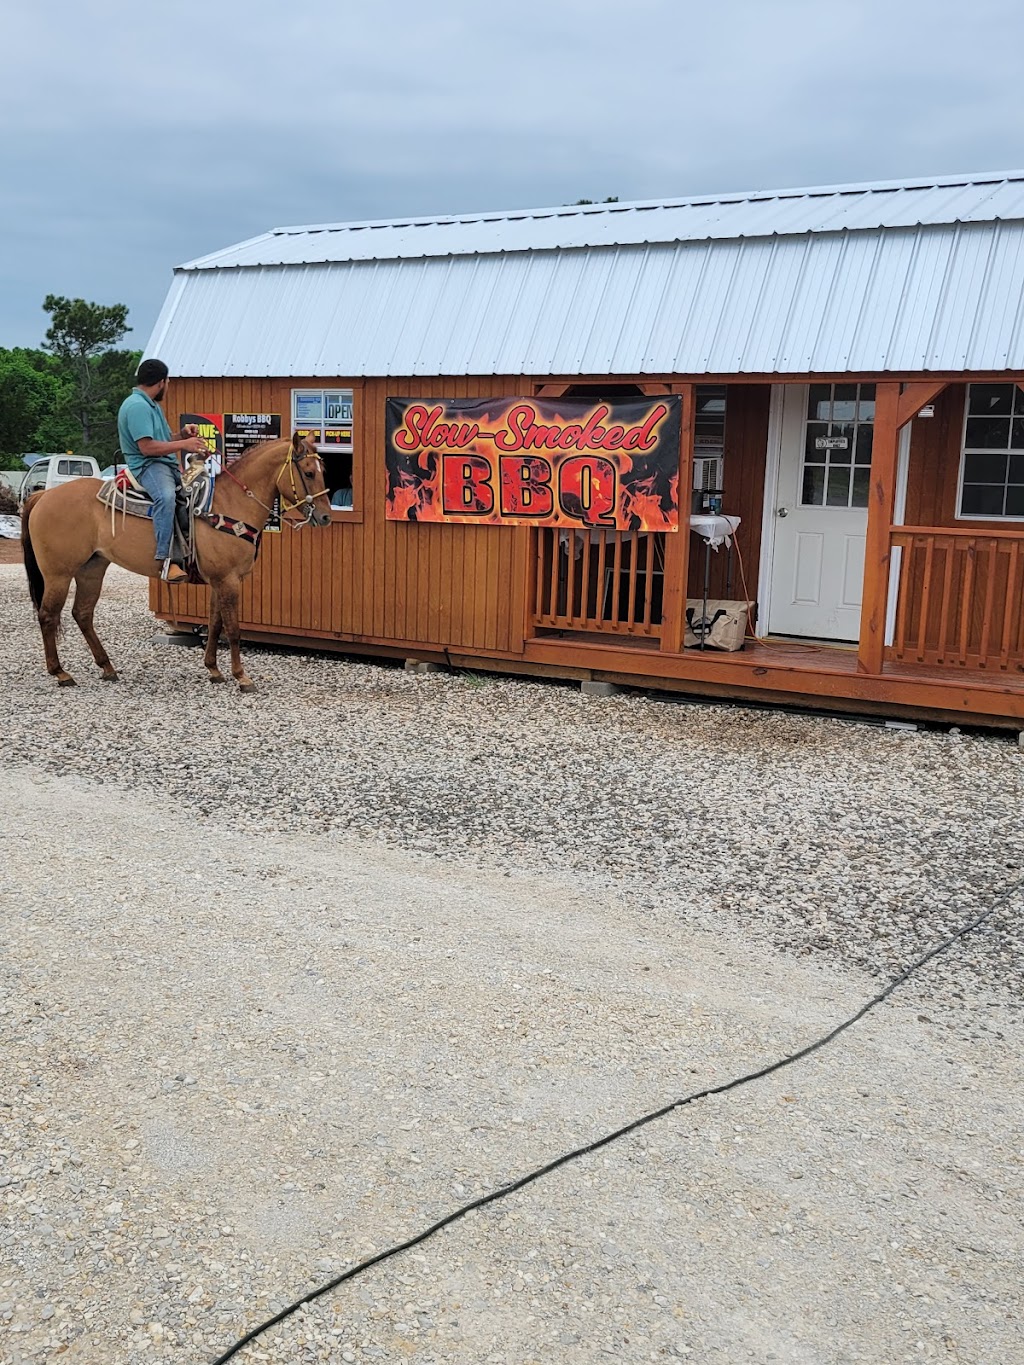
{"x":816,"y":674}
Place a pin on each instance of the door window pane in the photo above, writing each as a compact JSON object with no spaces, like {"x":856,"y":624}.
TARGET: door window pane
{"x":866,"y":405}
{"x":844,"y":403}
{"x":819,"y":402}
{"x":861,"y":487}
{"x":838,"y":487}
{"x":814,"y":486}
{"x":865,"y":436}
{"x":1015,"y":500}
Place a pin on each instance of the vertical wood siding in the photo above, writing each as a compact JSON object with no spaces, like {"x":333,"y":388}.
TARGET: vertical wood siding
{"x":746,"y":446}
{"x":448,"y":586}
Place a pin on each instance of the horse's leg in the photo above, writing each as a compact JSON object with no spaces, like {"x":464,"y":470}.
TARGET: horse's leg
{"x":213,"y":638}
{"x":88,"y":584}
{"x":55,"y":594}
{"x":227,"y":599}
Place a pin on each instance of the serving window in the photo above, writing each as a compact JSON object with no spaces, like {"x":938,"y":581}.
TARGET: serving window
{"x":326,"y":416}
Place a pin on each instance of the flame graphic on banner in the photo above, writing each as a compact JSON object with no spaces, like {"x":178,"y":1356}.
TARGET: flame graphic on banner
{"x":650,"y":508}
{"x":411,"y":490}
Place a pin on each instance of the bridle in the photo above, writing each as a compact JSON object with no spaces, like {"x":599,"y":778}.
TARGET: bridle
{"x":306,"y":503}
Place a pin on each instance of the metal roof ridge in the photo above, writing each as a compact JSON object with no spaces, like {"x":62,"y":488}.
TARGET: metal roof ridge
{"x":621,"y":206}
{"x":198,"y":262}
{"x":571,"y":248}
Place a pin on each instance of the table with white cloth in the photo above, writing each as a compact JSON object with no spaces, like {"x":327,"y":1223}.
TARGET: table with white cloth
{"x":715,"y":530}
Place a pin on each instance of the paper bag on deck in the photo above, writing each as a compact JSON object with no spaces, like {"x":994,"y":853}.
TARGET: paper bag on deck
{"x":719,"y":625}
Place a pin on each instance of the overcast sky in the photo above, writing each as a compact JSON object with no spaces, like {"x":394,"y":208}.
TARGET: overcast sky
{"x":137,"y":137}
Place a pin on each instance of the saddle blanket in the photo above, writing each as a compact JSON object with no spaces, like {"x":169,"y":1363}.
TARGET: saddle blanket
{"x":125,"y":497}
{"x":123,"y":494}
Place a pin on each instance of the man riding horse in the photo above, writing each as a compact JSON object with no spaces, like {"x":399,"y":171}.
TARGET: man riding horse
{"x":69,"y":534}
{"x":151,"y":454}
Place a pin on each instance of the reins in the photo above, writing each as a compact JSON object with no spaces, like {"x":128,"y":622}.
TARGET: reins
{"x":306,"y":502}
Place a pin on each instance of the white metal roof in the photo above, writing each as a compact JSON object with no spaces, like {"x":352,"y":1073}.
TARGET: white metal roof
{"x":909,"y":276}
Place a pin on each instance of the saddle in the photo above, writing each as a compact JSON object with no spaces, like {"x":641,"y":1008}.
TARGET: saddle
{"x":126,"y":497}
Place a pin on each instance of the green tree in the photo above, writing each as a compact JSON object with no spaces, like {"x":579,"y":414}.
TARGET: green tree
{"x":114,"y":378}
{"x":32,"y":390}
{"x":612,"y":199}
{"x":81,"y":335}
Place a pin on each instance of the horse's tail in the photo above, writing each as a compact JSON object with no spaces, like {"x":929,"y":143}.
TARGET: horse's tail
{"x":36,"y":582}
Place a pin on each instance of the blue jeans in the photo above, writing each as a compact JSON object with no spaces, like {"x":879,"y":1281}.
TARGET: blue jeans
{"x":161,"y":481}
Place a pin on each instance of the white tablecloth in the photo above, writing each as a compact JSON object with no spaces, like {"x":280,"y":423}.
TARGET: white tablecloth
{"x":715,"y":530}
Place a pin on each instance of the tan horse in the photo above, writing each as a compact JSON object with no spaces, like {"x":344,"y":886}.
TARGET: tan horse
{"x":68,"y":534}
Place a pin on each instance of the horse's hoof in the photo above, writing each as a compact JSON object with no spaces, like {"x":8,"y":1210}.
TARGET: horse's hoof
{"x":247,"y":687}
{"x":109,"y":677}
{"x":216,"y":677}
{"x":65,"y":680}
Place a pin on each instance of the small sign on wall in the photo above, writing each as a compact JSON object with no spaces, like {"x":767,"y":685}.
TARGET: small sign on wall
{"x":831,"y":443}
{"x":244,"y":429}
{"x":211,"y":429}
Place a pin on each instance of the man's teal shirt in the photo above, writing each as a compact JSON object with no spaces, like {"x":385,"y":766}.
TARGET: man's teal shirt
{"x":137,"y":418}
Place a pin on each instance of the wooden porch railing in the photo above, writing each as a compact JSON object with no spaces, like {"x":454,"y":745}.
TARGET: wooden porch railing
{"x":960,"y":598}
{"x":606,"y":581}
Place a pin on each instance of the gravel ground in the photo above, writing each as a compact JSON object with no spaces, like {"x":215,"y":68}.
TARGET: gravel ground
{"x":288,"y":976}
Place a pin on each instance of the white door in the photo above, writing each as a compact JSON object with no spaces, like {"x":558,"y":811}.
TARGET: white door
{"x":821,"y":510}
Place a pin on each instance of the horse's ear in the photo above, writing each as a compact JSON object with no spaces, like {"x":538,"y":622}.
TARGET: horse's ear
{"x":298,"y":443}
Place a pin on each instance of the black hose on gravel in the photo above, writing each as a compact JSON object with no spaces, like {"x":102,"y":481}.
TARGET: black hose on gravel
{"x":504,"y":1190}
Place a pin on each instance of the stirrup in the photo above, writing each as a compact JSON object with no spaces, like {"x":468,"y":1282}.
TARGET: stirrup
{"x":173,"y":573}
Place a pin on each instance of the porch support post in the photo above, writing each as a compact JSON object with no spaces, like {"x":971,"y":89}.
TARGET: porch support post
{"x":877,"y":548}
{"x":677,"y":543}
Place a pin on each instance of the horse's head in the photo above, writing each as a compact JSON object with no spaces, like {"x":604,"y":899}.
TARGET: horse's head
{"x":301,"y":482}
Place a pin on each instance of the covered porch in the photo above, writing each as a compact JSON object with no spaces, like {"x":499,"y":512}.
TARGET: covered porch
{"x":926,"y":617}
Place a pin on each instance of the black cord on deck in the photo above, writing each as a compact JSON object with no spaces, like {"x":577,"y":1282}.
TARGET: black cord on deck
{"x":504,"y":1190}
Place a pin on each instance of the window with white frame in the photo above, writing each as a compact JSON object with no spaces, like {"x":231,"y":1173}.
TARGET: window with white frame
{"x":326,"y":415}
{"x":992,"y":458}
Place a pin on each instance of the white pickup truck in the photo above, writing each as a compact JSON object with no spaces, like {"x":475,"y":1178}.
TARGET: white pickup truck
{"x":47,"y":471}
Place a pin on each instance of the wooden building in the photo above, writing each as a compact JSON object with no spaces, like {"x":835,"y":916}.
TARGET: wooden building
{"x":847,"y":364}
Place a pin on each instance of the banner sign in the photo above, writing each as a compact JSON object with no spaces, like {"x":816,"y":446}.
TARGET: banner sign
{"x":211,"y":429}
{"x":244,"y":429}
{"x":535,"y":462}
